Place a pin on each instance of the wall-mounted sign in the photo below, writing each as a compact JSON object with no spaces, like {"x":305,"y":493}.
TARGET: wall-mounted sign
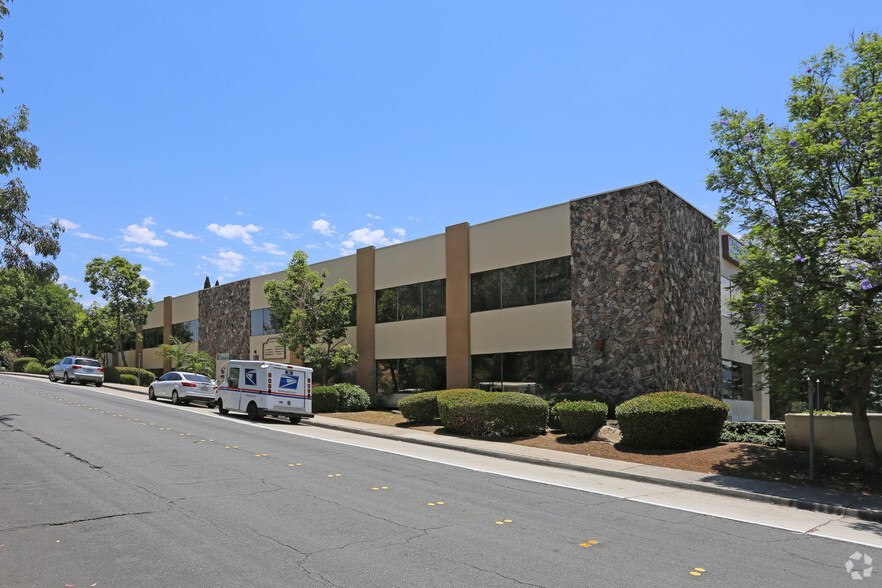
{"x":732,"y":249}
{"x":223,"y":356}
{"x":272,"y":349}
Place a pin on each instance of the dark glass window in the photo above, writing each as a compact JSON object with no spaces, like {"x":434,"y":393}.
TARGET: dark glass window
{"x":485,"y":291}
{"x":263,"y":323}
{"x":536,"y":372}
{"x":553,"y":280}
{"x":737,"y":380}
{"x":413,"y":301}
{"x":522,"y":285}
{"x":186,"y":332}
{"x":423,"y":374}
{"x":152,"y":337}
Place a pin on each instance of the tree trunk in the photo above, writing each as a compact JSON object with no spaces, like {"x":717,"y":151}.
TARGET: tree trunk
{"x":857,"y":393}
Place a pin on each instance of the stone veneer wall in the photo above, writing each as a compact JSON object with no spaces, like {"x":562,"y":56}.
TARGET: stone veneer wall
{"x":645,"y":279}
{"x":225,"y":320}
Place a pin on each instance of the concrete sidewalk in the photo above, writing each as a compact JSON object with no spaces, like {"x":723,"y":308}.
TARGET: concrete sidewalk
{"x":814,"y":499}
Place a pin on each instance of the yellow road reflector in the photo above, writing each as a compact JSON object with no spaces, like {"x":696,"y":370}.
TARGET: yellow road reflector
{"x":499,"y":523}
{"x":700,"y":569}
{"x":588,"y":543}
{"x":430,"y":504}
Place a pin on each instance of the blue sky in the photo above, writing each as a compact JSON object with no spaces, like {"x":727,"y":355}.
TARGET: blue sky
{"x":216,"y":138}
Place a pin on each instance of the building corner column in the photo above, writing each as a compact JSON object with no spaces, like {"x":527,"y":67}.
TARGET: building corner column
{"x":458,"y":291}
{"x":365,"y":320}
{"x":166,"y":329}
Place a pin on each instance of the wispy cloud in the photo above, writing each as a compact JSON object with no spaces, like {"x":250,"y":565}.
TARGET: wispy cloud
{"x":373,"y":216}
{"x":324,"y":227}
{"x":151,"y":255}
{"x":142,"y":235}
{"x":364,"y":237}
{"x":180,"y":234}
{"x":68,"y":225}
{"x":228,"y":262}
{"x":89,"y":236}
{"x":270,"y":248}
{"x":235,"y":232}
{"x":399,"y":231}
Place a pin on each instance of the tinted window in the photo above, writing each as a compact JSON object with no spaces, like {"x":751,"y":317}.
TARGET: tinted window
{"x":88,"y":362}
{"x":553,"y":280}
{"x":197,"y":378}
{"x":518,"y":285}
{"x":233,"y":380}
{"x":152,"y":337}
{"x":485,"y":291}
{"x":409,"y":303}
{"x":434,"y":298}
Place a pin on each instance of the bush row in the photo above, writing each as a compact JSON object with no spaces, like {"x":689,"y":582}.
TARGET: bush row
{"x":339,"y":398}
{"x":671,"y":420}
{"x":480,"y":413}
{"x":771,"y":434}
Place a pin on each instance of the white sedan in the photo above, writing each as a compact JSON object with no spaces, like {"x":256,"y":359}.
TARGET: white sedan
{"x":182,"y":387}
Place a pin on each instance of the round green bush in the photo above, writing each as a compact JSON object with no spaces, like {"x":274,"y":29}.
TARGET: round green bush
{"x":352,"y":398}
{"x":129,"y":379}
{"x":421,"y":407}
{"x":35,"y":367}
{"x":555,"y":399}
{"x":505,"y":414}
{"x":18,"y":364}
{"x":111,"y":374}
{"x":325,"y":399}
{"x":671,"y":420}
{"x":580,"y":419}
{"x":146,"y":377}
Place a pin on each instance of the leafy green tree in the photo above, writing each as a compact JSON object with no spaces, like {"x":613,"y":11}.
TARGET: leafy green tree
{"x":121,"y":285}
{"x":7,"y":354}
{"x":808,"y":198}
{"x":32,"y":307}
{"x":177,"y":352}
{"x":18,"y":234}
{"x":312,"y":316}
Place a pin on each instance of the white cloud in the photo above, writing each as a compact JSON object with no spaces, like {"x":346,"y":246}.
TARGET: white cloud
{"x":89,"y":236}
{"x":288,"y":235}
{"x":68,"y":225}
{"x":365,"y":236}
{"x":228,"y":262}
{"x":148,"y":222}
{"x":142,"y":235}
{"x":270,"y":248}
{"x":399,"y":231}
{"x":65,"y":280}
{"x":373,"y":216}
{"x":151,"y":255}
{"x":180,"y":234}
{"x":323,"y":227}
{"x":234,"y":232}
{"x":240,"y":213}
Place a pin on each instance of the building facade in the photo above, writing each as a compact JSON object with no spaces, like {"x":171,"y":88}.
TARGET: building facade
{"x":617,"y":294}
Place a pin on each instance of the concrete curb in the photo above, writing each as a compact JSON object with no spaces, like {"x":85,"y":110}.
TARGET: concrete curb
{"x":839,"y":503}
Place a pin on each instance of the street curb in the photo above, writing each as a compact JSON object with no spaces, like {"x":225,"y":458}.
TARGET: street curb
{"x":827,"y":508}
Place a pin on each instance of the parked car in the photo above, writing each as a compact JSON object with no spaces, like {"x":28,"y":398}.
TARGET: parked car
{"x":74,"y":368}
{"x":182,"y":387}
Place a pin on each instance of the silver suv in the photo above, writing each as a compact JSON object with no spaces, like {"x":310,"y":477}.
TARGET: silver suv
{"x":78,"y":369}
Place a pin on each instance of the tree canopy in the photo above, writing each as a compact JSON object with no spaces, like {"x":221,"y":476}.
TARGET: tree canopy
{"x":312,"y":316}
{"x":807,"y":197}
{"x":33,"y":307}
{"x":121,"y":285}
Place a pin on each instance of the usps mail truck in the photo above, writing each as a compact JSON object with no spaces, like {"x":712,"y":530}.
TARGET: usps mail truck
{"x":260,"y":388}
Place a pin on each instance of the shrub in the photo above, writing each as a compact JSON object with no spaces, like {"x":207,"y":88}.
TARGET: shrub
{"x":671,"y":420}
{"x":19,"y":364}
{"x":555,"y":399}
{"x":51,"y":362}
{"x":771,"y":434}
{"x":35,"y":367}
{"x":478,"y":413}
{"x":147,"y":377}
{"x":130,"y":379}
{"x":580,"y":419}
{"x":325,"y":399}
{"x":352,"y":398}
{"x":111,"y":374}
{"x":421,"y":407}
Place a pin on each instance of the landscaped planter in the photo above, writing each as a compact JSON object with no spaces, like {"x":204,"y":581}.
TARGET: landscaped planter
{"x":834,"y":433}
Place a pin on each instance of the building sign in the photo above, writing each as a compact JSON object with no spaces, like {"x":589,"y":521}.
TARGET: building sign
{"x":732,"y":249}
{"x":272,"y":349}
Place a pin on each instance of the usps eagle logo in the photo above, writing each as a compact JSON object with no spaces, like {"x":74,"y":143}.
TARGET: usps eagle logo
{"x":251,"y":378}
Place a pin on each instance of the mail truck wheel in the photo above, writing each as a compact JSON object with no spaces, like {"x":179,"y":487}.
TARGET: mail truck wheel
{"x":253,"y":412}
{"x":220,"y":407}
{"x":294,"y":419}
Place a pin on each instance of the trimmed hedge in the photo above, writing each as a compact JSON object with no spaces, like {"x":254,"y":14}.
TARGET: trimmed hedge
{"x":111,"y":374}
{"x":771,"y":434}
{"x":580,"y":419}
{"x":52,"y":362}
{"x":555,"y":399}
{"x":421,"y":407}
{"x":18,"y":364}
{"x":325,"y":399}
{"x":129,"y":379}
{"x":671,"y":420}
{"x":352,"y":398}
{"x":478,"y":413}
{"x":147,"y":377}
{"x":35,"y":367}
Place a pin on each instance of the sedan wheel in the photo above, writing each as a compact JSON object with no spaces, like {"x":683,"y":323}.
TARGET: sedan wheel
{"x":52,"y":377}
{"x":150,"y":394}
{"x":66,"y":378}
{"x":175,"y":397}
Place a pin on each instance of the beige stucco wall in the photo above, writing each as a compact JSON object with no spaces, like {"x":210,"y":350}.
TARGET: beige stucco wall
{"x":412,"y":262}
{"x":524,"y":328}
{"x":185,"y":308}
{"x":154,"y":317}
{"x":522,"y":238}
{"x":409,"y":339}
{"x":834,"y":434}
{"x":340,"y":268}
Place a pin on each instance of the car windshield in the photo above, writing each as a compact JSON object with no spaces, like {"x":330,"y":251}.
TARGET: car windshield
{"x":88,"y":362}
{"x":197,"y":378}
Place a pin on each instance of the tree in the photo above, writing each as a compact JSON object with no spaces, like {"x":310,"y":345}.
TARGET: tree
{"x":207,"y":284}
{"x":198,"y":362}
{"x":33,"y":308}
{"x":125,"y":291}
{"x":808,"y":198}
{"x":177,"y":353}
{"x":21,"y":237}
{"x":312,"y":317}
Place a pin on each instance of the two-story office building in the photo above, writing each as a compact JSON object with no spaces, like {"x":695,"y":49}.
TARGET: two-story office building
{"x":617,"y":293}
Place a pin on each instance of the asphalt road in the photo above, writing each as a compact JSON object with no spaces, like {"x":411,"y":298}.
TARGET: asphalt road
{"x":99,"y":489}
